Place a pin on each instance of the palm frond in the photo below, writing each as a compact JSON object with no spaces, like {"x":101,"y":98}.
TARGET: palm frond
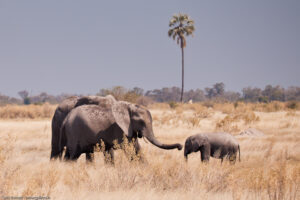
{"x":183,"y":26}
{"x":175,"y":16}
{"x":172,"y":22}
{"x":189,"y":30}
{"x":170,"y":32}
{"x":181,"y":18}
{"x":174,"y":36}
{"x":190,"y":22}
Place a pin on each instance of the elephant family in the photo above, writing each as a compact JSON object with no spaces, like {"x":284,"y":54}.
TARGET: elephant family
{"x":87,"y":125}
{"x":217,"y":145}
{"x":63,"y":110}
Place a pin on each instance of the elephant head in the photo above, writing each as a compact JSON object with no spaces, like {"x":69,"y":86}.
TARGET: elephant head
{"x":192,"y":145}
{"x":136,"y":121}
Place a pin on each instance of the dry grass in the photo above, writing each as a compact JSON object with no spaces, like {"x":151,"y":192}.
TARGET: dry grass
{"x":234,"y":122}
{"x":27,"y":111}
{"x":270,"y":166}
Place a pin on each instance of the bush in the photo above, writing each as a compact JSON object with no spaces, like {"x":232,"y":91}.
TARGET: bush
{"x":263,"y":99}
{"x":208,"y":104}
{"x":292,"y":105}
{"x":173,"y":104}
{"x":26,"y":101}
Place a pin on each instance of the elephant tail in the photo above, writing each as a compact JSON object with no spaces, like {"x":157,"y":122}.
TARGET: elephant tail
{"x":239,"y":153}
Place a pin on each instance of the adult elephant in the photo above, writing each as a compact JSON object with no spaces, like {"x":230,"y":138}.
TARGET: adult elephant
{"x":87,"y":125}
{"x":63,"y":110}
{"x":217,"y":145}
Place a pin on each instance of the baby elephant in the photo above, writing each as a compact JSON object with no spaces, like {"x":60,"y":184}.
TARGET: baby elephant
{"x":217,"y":145}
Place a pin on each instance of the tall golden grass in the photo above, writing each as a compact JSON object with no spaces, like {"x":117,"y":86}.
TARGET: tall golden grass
{"x":269,"y":167}
{"x":27,"y":111}
{"x":202,"y":110}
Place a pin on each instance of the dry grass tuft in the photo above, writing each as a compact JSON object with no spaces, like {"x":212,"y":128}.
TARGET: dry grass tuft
{"x":232,"y":122}
{"x":160,"y":106}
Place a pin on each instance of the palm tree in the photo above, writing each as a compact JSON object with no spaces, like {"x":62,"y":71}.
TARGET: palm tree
{"x":181,"y":26}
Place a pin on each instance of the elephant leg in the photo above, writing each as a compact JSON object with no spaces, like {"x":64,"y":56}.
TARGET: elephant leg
{"x":75,"y":157}
{"x":138,"y":152}
{"x":63,"y":144}
{"x":60,"y":155}
{"x":205,"y":153}
{"x":74,"y":154}
{"x":67,"y":155}
{"x":232,"y":158}
{"x":204,"y":157}
{"x":112,"y":155}
{"x":89,"y":155}
{"x":137,"y":147}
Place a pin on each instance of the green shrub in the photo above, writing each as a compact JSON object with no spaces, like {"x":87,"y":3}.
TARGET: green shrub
{"x":172,"y":104}
{"x":292,"y":105}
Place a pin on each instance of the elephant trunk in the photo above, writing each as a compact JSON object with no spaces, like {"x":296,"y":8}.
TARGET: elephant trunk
{"x":151,"y":138}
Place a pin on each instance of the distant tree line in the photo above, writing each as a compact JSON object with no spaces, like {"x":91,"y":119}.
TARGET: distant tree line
{"x":218,"y":93}
{"x":171,"y":94}
{"x":271,"y":93}
{"x":26,"y":99}
{"x":9,"y":100}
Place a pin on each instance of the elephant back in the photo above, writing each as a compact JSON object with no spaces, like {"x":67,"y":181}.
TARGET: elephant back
{"x":106,"y":101}
{"x":68,"y":104}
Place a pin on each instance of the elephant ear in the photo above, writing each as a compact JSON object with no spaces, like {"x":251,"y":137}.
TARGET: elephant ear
{"x":121,"y":113}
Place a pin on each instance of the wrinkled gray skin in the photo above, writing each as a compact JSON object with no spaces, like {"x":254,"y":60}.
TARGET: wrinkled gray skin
{"x":217,"y":145}
{"x":88,"y":124}
{"x":63,"y":110}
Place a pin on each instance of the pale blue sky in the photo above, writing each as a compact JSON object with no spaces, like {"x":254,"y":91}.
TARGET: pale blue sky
{"x":81,"y":46}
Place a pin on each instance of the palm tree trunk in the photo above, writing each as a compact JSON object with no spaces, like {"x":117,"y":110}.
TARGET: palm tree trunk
{"x":182,"y":74}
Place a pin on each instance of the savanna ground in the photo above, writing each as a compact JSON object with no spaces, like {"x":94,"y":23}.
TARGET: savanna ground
{"x":269,"y":167}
